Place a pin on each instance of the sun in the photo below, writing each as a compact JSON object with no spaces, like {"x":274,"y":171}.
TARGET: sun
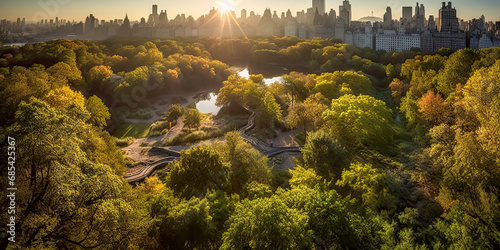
{"x":225,"y":6}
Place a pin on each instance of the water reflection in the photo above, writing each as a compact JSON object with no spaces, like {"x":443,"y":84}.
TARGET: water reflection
{"x":206,"y":103}
{"x":245,"y":73}
{"x":14,"y":44}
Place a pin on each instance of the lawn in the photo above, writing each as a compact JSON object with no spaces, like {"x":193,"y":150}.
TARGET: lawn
{"x":135,"y":130}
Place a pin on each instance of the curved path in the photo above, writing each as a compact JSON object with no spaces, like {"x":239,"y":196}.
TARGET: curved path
{"x":266,"y":150}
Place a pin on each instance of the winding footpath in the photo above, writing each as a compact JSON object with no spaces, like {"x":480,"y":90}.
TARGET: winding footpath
{"x":267,"y":150}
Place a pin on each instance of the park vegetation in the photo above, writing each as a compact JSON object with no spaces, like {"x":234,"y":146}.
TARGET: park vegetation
{"x":399,"y":150}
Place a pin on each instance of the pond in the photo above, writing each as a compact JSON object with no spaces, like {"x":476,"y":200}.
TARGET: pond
{"x":245,"y":73}
{"x":206,"y":102}
{"x":14,"y":44}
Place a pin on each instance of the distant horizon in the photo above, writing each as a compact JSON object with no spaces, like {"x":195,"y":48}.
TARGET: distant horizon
{"x":76,"y":10}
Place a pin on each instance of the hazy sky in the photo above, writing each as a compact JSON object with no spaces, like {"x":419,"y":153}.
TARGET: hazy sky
{"x":116,"y":9}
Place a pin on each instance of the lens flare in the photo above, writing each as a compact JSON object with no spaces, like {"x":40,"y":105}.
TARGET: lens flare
{"x":225,"y":6}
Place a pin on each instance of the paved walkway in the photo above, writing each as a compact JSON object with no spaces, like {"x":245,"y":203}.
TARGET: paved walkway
{"x":138,"y":175}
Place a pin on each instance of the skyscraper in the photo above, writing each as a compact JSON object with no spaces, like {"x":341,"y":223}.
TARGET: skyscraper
{"x":125,"y":30}
{"x":432,"y":23}
{"x":154,"y":18}
{"x":388,"y":17}
{"x":407,"y":13}
{"x":345,"y":13}
{"x":448,"y":21}
{"x":89,"y":25}
{"x":155,"y":9}
{"x":320,"y":5}
{"x":419,"y":18}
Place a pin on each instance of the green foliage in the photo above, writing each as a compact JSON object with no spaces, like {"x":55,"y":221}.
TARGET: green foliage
{"x":247,"y":164}
{"x":200,"y":169}
{"x":457,"y":70}
{"x":183,"y":224}
{"x":368,"y":183}
{"x":192,"y":118}
{"x":437,"y":190}
{"x":254,"y":94}
{"x":325,"y":155}
{"x":159,"y":128}
{"x":78,"y":201}
{"x":266,"y":223}
{"x":304,"y":177}
{"x":360,"y":120}
{"x":99,"y":113}
{"x":298,"y":85}
{"x":336,"y":84}
{"x":174,"y":112}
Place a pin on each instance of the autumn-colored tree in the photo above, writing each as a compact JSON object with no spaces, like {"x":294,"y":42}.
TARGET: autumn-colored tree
{"x":98,"y":74}
{"x":432,"y":107}
{"x":398,"y":89}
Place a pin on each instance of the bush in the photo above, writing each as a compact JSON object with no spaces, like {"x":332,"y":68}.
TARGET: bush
{"x":187,"y":137}
{"x":124,"y":142}
{"x":159,"y":128}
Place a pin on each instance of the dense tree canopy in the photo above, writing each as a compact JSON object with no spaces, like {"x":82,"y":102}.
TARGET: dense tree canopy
{"x":366,"y":179}
{"x":360,"y":120}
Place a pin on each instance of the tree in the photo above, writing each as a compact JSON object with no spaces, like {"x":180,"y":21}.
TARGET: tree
{"x":192,"y":118}
{"x":269,"y":111}
{"x":174,"y":112}
{"x":368,"y":183}
{"x":297,"y":85}
{"x":200,"y":169}
{"x":399,"y":89}
{"x":482,"y":98}
{"x":325,"y":155}
{"x":247,"y":163}
{"x":99,"y":113}
{"x":96,"y":75}
{"x":240,"y":90}
{"x":183,"y":224}
{"x":65,"y":99}
{"x":266,"y":223}
{"x":338,"y":83}
{"x":457,"y":70}
{"x":390,"y":71}
{"x":432,"y":107}
{"x":360,"y":120}
{"x":77,"y":202}
{"x":298,"y":116}
{"x":65,"y":74}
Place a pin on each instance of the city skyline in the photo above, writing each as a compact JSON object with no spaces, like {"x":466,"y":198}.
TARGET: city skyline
{"x":78,"y":10}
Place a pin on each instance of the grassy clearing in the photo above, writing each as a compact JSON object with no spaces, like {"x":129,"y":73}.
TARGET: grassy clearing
{"x":208,"y":130}
{"x":134,"y":130}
